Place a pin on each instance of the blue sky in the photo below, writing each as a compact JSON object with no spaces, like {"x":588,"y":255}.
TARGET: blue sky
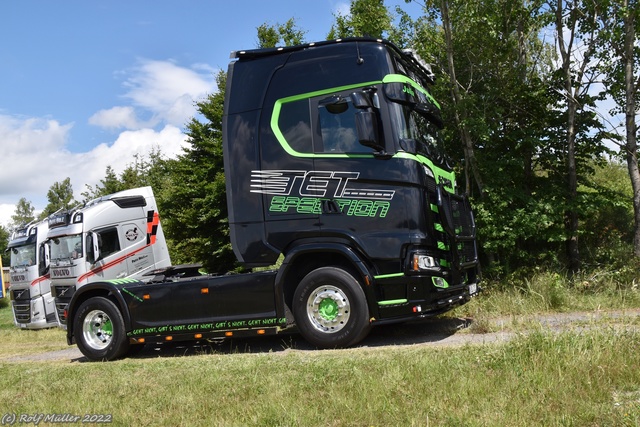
{"x":87,"y":84}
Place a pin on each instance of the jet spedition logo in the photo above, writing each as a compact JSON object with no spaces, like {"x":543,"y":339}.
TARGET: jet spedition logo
{"x":305,"y":192}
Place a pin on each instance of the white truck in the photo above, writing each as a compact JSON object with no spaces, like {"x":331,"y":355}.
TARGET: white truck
{"x":32,"y":302}
{"x":113,"y":237}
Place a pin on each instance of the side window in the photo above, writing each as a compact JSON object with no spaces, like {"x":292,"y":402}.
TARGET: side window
{"x":108,"y":241}
{"x":295,"y":124}
{"x":337,"y":126}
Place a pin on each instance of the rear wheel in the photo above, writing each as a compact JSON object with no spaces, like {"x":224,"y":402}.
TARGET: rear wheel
{"x":99,"y":330}
{"x":330,"y":308}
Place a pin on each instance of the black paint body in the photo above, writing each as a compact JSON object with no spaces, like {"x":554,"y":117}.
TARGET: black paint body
{"x":367,"y":209}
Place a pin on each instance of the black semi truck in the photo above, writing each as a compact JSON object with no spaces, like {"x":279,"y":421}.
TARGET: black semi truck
{"x":333,"y":162}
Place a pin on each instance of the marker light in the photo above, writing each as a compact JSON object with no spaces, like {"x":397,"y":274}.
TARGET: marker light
{"x":168,"y":338}
{"x":228,"y":334}
{"x":146,"y":296}
{"x":204,"y":290}
{"x":197,"y":336}
{"x":261,"y":331}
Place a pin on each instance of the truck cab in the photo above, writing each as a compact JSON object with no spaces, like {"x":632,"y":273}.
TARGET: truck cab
{"x":112,"y":237}
{"x":332,"y":150}
{"x":32,"y":302}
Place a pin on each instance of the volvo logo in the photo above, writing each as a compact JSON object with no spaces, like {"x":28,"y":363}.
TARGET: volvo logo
{"x":61,"y":272}
{"x":18,"y":294}
{"x":62,"y":291}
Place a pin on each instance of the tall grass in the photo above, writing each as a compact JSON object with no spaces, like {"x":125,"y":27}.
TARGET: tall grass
{"x":540,"y":379}
{"x":545,"y":292}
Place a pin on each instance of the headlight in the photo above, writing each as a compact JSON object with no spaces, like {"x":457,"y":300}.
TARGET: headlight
{"x":424,"y":262}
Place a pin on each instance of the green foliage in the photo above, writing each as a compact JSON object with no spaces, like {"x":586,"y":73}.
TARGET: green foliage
{"x":60,"y":196}
{"x":608,"y":217}
{"x":145,"y":171}
{"x":5,"y":235}
{"x":272,"y":35}
{"x":23,"y":214}
{"x":194,"y":204}
{"x":367,"y":18}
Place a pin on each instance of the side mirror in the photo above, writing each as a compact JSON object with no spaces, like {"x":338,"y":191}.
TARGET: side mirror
{"x":367,"y":128}
{"x":43,"y":259}
{"x":92,"y":247}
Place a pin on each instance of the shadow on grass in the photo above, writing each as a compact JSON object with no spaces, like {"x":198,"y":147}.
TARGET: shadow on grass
{"x":431,"y":330}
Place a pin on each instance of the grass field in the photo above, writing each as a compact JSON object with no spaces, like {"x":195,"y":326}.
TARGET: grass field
{"x":586,"y":377}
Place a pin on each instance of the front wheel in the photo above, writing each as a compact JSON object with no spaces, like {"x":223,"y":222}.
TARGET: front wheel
{"x":330,"y":308}
{"x":99,"y":330}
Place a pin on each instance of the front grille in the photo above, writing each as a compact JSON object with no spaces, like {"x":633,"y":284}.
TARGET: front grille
{"x":20,"y":294}
{"x":63,"y":296}
{"x":22,"y":311}
{"x":467,"y":252}
{"x":459,"y":225}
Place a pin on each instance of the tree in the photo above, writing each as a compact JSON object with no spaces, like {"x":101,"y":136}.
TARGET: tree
{"x":193,"y":199}
{"x":4,"y":240}
{"x":273,"y":35}
{"x":492,"y":76}
{"x":60,"y":196}
{"x":195,"y":205}
{"x":366,"y":18}
{"x":620,"y":64}
{"x":576,"y":39}
{"x":144,"y":171}
{"x":110,"y":184}
{"x":23,"y":214}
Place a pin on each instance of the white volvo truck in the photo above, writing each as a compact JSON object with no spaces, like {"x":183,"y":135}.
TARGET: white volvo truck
{"x":32,"y":302}
{"x":110,"y":238}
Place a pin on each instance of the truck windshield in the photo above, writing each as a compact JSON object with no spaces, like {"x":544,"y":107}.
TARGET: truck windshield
{"x":23,"y":256}
{"x":66,"y":247}
{"x":415,"y":115}
{"x":412,"y":124}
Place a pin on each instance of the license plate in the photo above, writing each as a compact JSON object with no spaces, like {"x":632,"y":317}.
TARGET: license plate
{"x":473,"y":288}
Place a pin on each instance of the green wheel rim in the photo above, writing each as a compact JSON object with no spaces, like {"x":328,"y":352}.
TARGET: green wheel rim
{"x":328,"y":309}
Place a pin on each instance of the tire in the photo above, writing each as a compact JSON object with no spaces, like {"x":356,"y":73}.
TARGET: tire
{"x":330,"y":308}
{"x":99,"y":330}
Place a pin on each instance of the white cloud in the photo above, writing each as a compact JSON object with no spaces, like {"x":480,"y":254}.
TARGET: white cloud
{"x":90,"y":167}
{"x":34,"y":153}
{"x":168,"y":91}
{"x":33,"y":158}
{"x":26,"y":145}
{"x":116,"y":118}
{"x":342,"y":9}
{"x":6,"y":210}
